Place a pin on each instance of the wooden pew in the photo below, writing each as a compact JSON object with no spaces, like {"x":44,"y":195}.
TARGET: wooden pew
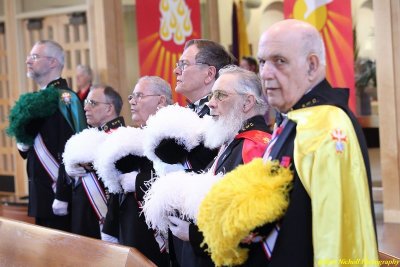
{"x":24,"y":244}
{"x":393,"y":261}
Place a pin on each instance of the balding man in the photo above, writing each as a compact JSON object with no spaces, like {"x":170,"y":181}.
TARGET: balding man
{"x":328,"y":218}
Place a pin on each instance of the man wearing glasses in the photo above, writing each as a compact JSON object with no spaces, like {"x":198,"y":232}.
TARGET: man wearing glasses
{"x":126,"y":165}
{"x":89,"y":198}
{"x":237,"y":127}
{"x":196,"y":72}
{"x":42,"y":122}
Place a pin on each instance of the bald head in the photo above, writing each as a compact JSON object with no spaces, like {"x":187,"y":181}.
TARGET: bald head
{"x":299,"y":32}
{"x":292,"y":61}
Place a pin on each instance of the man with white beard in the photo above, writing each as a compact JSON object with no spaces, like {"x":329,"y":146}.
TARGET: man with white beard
{"x":238,"y":127}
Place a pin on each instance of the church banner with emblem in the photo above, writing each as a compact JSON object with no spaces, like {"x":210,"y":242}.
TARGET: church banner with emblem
{"x":333,"y":19}
{"x":163,"y":29}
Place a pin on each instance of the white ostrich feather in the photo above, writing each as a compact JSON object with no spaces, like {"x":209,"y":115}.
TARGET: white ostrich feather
{"x":174,"y":121}
{"x":161,"y":168}
{"x":120,"y":143}
{"x":82,"y":148}
{"x":177,"y":192}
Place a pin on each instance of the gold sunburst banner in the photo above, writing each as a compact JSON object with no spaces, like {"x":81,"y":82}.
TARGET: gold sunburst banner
{"x":333,"y":19}
{"x":163,"y":28}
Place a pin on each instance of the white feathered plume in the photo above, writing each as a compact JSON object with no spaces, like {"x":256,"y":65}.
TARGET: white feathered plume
{"x":120,"y":143}
{"x":82,"y":148}
{"x":174,"y":121}
{"x":180,"y":192}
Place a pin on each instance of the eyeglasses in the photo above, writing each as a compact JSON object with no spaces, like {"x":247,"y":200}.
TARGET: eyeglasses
{"x":182,"y":65}
{"x":138,"y":96}
{"x":221,"y":95}
{"x":35,"y":57}
{"x":93,"y":103}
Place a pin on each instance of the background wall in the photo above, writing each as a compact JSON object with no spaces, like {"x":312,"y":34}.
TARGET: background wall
{"x":260,"y":14}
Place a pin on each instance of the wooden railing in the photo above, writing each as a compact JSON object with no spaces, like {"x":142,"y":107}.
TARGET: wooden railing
{"x":24,"y":244}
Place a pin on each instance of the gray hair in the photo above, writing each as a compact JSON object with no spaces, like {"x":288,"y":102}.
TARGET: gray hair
{"x":53,"y":49}
{"x":248,"y":83}
{"x":111,"y":95}
{"x":314,"y":44}
{"x":211,"y":53}
{"x":159,"y":86}
{"x":86,"y":70}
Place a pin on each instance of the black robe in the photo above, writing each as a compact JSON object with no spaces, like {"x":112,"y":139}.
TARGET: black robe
{"x":133,"y":230}
{"x":84,"y":220}
{"x":55,"y":131}
{"x":124,"y":219}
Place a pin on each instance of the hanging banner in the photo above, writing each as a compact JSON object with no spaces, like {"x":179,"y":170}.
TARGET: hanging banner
{"x":163,"y":29}
{"x":333,"y":19}
{"x":240,"y":42}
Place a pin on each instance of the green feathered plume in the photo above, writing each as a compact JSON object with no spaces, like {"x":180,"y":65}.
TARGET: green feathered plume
{"x":31,"y":106}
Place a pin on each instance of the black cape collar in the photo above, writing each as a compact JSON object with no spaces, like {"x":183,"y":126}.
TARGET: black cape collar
{"x":113,"y":124}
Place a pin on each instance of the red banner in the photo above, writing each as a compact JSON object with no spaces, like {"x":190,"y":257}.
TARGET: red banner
{"x":163,"y":28}
{"x":333,"y":19}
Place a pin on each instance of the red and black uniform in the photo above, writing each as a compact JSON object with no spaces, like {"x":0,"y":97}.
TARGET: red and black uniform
{"x":250,"y":142}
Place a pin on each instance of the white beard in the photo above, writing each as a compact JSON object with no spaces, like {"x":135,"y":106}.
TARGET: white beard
{"x":224,"y":129}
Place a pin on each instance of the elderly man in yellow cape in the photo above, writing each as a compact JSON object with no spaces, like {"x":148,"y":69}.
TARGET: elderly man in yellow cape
{"x":42,"y":122}
{"x":308,"y":202}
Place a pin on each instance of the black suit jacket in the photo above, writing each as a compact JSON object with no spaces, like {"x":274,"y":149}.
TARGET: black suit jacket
{"x":55,"y":132}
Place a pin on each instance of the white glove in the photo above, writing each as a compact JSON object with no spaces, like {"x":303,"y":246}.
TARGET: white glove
{"x":60,"y":208}
{"x":76,"y":171}
{"x":23,"y":147}
{"x":179,"y":228}
{"x":128,"y":181}
{"x":174,"y":168}
{"x":108,"y":238}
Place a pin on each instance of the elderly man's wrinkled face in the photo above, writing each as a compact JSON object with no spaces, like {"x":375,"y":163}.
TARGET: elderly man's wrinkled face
{"x":283,"y":68}
{"x":144,"y":102}
{"x":226,"y":108}
{"x":224,"y":100}
{"x":82,"y":79}
{"x":38,"y":62}
{"x":97,"y":108}
{"x":190,"y":75}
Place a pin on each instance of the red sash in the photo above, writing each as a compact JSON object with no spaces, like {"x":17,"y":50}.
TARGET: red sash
{"x":254,"y":145}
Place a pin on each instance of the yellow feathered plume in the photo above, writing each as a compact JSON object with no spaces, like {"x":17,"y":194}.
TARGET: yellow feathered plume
{"x":247,"y":197}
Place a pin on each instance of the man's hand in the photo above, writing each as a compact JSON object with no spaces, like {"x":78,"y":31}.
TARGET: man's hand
{"x":128,"y":181}
{"x":23,"y":147}
{"x":76,"y":171}
{"x":87,"y":166}
{"x":173,"y":168}
{"x":108,"y":238}
{"x":179,"y":228}
{"x":60,"y":208}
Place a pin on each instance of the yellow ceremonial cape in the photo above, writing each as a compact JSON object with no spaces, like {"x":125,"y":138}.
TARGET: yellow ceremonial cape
{"x":330,"y":165}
